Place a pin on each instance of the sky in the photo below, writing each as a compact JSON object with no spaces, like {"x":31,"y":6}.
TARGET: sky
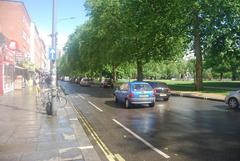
{"x":40,"y":12}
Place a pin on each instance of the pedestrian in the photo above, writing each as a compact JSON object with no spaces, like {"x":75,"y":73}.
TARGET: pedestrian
{"x":36,"y":85}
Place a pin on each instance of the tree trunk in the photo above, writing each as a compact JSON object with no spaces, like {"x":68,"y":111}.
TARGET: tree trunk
{"x":197,"y":51}
{"x":234,"y":74}
{"x":221,"y":76}
{"x":114,"y":73}
{"x":139,"y":70}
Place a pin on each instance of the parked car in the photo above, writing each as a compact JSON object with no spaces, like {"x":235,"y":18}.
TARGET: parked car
{"x":107,"y":82}
{"x":162,"y":91}
{"x":66,"y":78}
{"x":233,"y":99}
{"x":72,"y":79}
{"x":135,"y":93}
{"x":77,"y":80}
{"x":86,"y":82}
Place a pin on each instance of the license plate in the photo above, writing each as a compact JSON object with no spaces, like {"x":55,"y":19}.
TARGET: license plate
{"x":143,"y":95}
{"x":162,"y":94}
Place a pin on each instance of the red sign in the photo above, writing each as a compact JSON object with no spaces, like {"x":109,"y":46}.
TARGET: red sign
{"x":12,"y":45}
{"x":9,"y":56}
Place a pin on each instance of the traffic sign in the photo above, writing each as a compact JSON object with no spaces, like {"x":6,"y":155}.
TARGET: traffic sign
{"x":52,"y":54}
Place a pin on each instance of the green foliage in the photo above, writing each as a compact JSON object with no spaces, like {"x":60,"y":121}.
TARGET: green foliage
{"x":127,"y":38}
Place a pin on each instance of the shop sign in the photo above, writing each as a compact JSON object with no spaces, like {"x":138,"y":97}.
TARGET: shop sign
{"x":9,"y":56}
{"x":12,"y":45}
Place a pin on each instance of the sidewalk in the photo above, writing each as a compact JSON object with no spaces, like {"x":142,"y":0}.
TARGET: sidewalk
{"x":26,"y":135}
{"x":199,"y":95}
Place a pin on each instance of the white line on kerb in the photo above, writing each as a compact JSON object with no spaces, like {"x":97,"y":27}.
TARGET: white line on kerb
{"x":95,"y":106}
{"x":82,"y":97}
{"x":141,"y":139}
{"x":86,"y":147}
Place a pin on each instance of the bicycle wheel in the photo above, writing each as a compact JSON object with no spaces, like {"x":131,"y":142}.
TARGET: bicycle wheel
{"x":45,"y":97}
{"x":60,"y":101}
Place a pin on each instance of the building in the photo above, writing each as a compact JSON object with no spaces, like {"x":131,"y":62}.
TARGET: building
{"x":7,"y":63}
{"x":15,"y":24}
{"x":37,"y":50}
{"x":29,"y":52}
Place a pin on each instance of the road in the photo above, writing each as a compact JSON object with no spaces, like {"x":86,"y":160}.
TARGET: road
{"x":181,"y":129}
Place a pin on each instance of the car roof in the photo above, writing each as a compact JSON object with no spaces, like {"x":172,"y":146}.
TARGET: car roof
{"x":136,"y":82}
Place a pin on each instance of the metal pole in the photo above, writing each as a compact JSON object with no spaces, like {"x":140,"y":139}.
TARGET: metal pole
{"x":52,"y":62}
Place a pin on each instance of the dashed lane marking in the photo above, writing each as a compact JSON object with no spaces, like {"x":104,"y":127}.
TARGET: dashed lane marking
{"x":95,"y":106}
{"x":82,"y":97}
{"x":141,"y":139}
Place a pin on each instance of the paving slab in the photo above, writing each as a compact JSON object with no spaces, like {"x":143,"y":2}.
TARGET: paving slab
{"x":28,"y":135}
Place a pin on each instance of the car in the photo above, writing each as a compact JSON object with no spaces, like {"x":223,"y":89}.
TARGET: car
{"x":135,"y":93}
{"x":86,"y":82}
{"x":162,"y":91}
{"x":72,"y":79}
{"x":107,"y":82}
{"x":66,"y":79}
{"x":233,"y":99}
{"x":77,"y":80}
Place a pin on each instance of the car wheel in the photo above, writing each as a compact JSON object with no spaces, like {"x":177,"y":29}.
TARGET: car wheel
{"x":115,"y":99}
{"x":233,"y":103}
{"x":127,"y":104}
{"x":152,"y":104}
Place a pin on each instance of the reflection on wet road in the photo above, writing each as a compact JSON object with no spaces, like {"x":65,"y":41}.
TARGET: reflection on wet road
{"x":185,"y":129}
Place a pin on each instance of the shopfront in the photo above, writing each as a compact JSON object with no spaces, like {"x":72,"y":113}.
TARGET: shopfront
{"x":6,"y":70}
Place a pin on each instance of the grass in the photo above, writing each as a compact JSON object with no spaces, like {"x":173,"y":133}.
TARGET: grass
{"x":216,"y":87}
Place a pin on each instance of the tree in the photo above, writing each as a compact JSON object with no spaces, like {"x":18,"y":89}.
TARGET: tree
{"x":221,"y":50}
{"x":151,"y":30}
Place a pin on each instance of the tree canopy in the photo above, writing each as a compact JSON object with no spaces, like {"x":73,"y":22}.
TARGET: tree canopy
{"x":133,"y":34}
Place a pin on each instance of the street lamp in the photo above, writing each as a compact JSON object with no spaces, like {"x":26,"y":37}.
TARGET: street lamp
{"x":65,"y":18}
{"x":53,"y":69}
{"x":52,"y":62}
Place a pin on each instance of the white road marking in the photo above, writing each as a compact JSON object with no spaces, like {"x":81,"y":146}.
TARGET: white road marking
{"x":141,"y":139}
{"x":86,"y":147}
{"x":82,"y":97}
{"x":95,"y":106}
{"x":73,"y":119}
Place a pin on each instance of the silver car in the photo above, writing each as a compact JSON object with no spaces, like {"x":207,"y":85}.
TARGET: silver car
{"x":233,"y":99}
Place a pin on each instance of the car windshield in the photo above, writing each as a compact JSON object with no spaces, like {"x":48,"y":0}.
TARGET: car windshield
{"x":141,"y":87}
{"x":157,"y":85}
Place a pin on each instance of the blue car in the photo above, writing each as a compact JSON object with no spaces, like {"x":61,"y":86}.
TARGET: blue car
{"x":135,"y":93}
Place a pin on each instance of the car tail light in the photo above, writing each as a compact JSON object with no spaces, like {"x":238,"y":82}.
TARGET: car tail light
{"x":130,"y":95}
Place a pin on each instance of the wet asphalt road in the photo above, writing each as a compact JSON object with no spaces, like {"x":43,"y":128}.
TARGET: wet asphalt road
{"x":184,"y":129}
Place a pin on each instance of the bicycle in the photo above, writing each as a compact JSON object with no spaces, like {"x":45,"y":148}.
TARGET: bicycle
{"x":49,"y":97}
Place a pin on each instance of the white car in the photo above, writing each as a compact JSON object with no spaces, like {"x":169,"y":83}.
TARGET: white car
{"x":86,"y":82}
{"x":233,"y":99}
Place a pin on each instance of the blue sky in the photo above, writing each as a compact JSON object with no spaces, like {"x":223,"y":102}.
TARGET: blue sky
{"x":41,"y":14}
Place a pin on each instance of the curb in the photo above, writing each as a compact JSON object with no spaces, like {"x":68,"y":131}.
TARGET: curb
{"x":197,"y":97}
{"x":80,"y":134}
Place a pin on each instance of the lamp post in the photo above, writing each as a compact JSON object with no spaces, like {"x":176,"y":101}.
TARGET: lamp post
{"x":53,"y":62}
{"x":50,"y":105}
{"x":53,"y":68}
